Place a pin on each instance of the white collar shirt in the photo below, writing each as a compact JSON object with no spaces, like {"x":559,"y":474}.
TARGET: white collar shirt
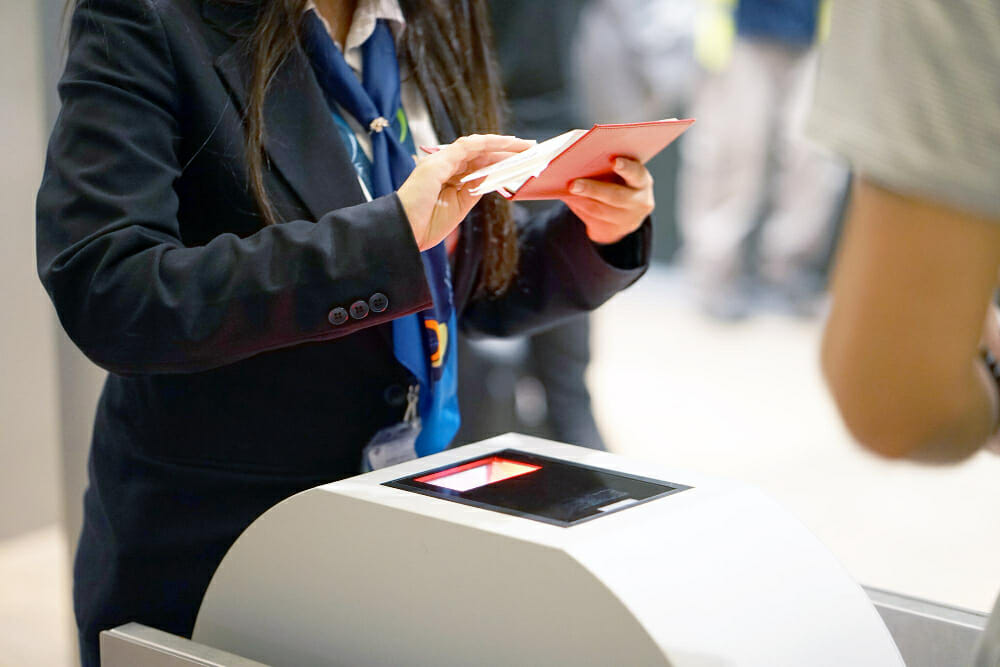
{"x":367,"y":13}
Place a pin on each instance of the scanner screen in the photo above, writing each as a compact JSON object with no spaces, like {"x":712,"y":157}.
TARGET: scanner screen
{"x":541,"y":488}
{"x":478,"y":473}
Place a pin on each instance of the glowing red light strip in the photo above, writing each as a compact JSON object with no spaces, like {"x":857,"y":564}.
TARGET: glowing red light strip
{"x":514,"y":469}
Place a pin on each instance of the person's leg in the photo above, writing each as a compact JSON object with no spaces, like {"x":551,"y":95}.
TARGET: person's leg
{"x":724,"y":157}
{"x":559,"y":358}
{"x":808,"y":187}
{"x":488,"y":372}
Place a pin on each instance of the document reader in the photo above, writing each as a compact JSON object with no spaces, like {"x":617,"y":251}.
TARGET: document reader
{"x":522,"y":551}
{"x":559,"y":492}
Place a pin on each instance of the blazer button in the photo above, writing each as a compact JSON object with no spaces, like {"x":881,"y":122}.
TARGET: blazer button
{"x":337,"y":316}
{"x":359,"y":310}
{"x":379,"y":302}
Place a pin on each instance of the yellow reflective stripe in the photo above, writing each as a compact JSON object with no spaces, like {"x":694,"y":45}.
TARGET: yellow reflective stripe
{"x":715,"y":31}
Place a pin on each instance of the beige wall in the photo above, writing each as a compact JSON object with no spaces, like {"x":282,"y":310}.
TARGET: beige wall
{"x":47,"y":388}
{"x":29,"y":431}
{"x":79,"y":381}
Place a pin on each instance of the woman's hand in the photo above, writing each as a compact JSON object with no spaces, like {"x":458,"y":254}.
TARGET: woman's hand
{"x":612,"y":211}
{"x":434,"y":199}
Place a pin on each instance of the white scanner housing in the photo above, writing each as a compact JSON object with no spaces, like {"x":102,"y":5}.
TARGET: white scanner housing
{"x":697,"y":571}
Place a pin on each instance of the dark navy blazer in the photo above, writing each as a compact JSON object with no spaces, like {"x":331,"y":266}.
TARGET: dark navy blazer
{"x":230,"y":385}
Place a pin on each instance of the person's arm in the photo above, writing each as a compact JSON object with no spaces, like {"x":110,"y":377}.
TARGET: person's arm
{"x":574,"y":259}
{"x":912,"y":286}
{"x":127,"y":289}
{"x":560,"y":273}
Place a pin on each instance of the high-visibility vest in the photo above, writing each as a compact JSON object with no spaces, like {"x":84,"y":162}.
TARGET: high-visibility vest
{"x":715,"y":31}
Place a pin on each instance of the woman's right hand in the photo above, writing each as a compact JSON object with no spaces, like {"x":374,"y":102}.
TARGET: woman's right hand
{"x":434,"y":199}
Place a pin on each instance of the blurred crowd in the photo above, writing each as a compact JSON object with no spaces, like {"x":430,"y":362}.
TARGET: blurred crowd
{"x":748,"y":209}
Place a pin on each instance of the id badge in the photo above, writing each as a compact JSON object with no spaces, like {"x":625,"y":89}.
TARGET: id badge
{"x":391,"y":445}
{"x":397,"y":443}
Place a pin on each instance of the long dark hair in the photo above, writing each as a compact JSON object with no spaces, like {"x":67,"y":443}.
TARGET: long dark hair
{"x":448,"y":47}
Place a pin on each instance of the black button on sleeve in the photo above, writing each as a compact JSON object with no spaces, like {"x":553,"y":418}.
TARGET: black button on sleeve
{"x":337,"y":316}
{"x":379,"y":302}
{"x":359,"y":310}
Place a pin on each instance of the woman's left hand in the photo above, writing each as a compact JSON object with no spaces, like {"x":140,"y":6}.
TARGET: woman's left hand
{"x":612,"y":211}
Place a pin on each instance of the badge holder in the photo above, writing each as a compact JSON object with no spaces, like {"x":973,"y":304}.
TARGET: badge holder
{"x":397,"y":443}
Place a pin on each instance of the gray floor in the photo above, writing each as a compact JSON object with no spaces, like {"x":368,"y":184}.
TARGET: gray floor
{"x":742,"y":401}
{"x":36,"y":627}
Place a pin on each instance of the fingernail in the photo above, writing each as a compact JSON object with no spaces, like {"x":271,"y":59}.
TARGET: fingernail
{"x":619,"y":163}
{"x":576,"y":188}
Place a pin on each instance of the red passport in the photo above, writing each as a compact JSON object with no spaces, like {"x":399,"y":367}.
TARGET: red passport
{"x":546,"y":170}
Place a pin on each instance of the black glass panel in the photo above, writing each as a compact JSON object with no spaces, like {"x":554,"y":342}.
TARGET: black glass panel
{"x":557,"y":492}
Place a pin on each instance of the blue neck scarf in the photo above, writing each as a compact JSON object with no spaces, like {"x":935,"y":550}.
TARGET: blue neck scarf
{"x":422,"y":342}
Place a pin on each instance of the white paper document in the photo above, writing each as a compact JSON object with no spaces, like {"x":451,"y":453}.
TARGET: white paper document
{"x":510,"y":174}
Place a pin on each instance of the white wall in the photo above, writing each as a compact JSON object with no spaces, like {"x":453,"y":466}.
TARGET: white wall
{"x":79,"y":381}
{"x":29,"y":428}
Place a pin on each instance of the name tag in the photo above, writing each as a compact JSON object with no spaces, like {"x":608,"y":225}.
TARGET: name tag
{"x":391,"y":445}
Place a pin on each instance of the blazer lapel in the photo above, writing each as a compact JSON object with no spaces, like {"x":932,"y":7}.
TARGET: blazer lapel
{"x":300,"y":138}
{"x":304,"y":144}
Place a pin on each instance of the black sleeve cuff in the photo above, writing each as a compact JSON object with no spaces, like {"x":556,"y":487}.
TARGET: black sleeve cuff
{"x":631,"y":252}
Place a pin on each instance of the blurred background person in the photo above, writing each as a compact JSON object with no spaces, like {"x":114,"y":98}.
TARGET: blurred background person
{"x":633,"y":60}
{"x":746,"y":163}
{"x":909,"y":93}
{"x":536,"y":384}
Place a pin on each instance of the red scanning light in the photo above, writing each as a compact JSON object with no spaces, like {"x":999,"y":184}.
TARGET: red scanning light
{"x":474,"y":474}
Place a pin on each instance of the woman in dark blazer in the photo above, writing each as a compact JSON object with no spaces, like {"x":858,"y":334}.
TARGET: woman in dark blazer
{"x":205,"y":239}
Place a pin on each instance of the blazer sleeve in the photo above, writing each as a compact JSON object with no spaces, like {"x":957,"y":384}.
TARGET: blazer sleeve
{"x":561,"y":273}
{"x":109,"y":248}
